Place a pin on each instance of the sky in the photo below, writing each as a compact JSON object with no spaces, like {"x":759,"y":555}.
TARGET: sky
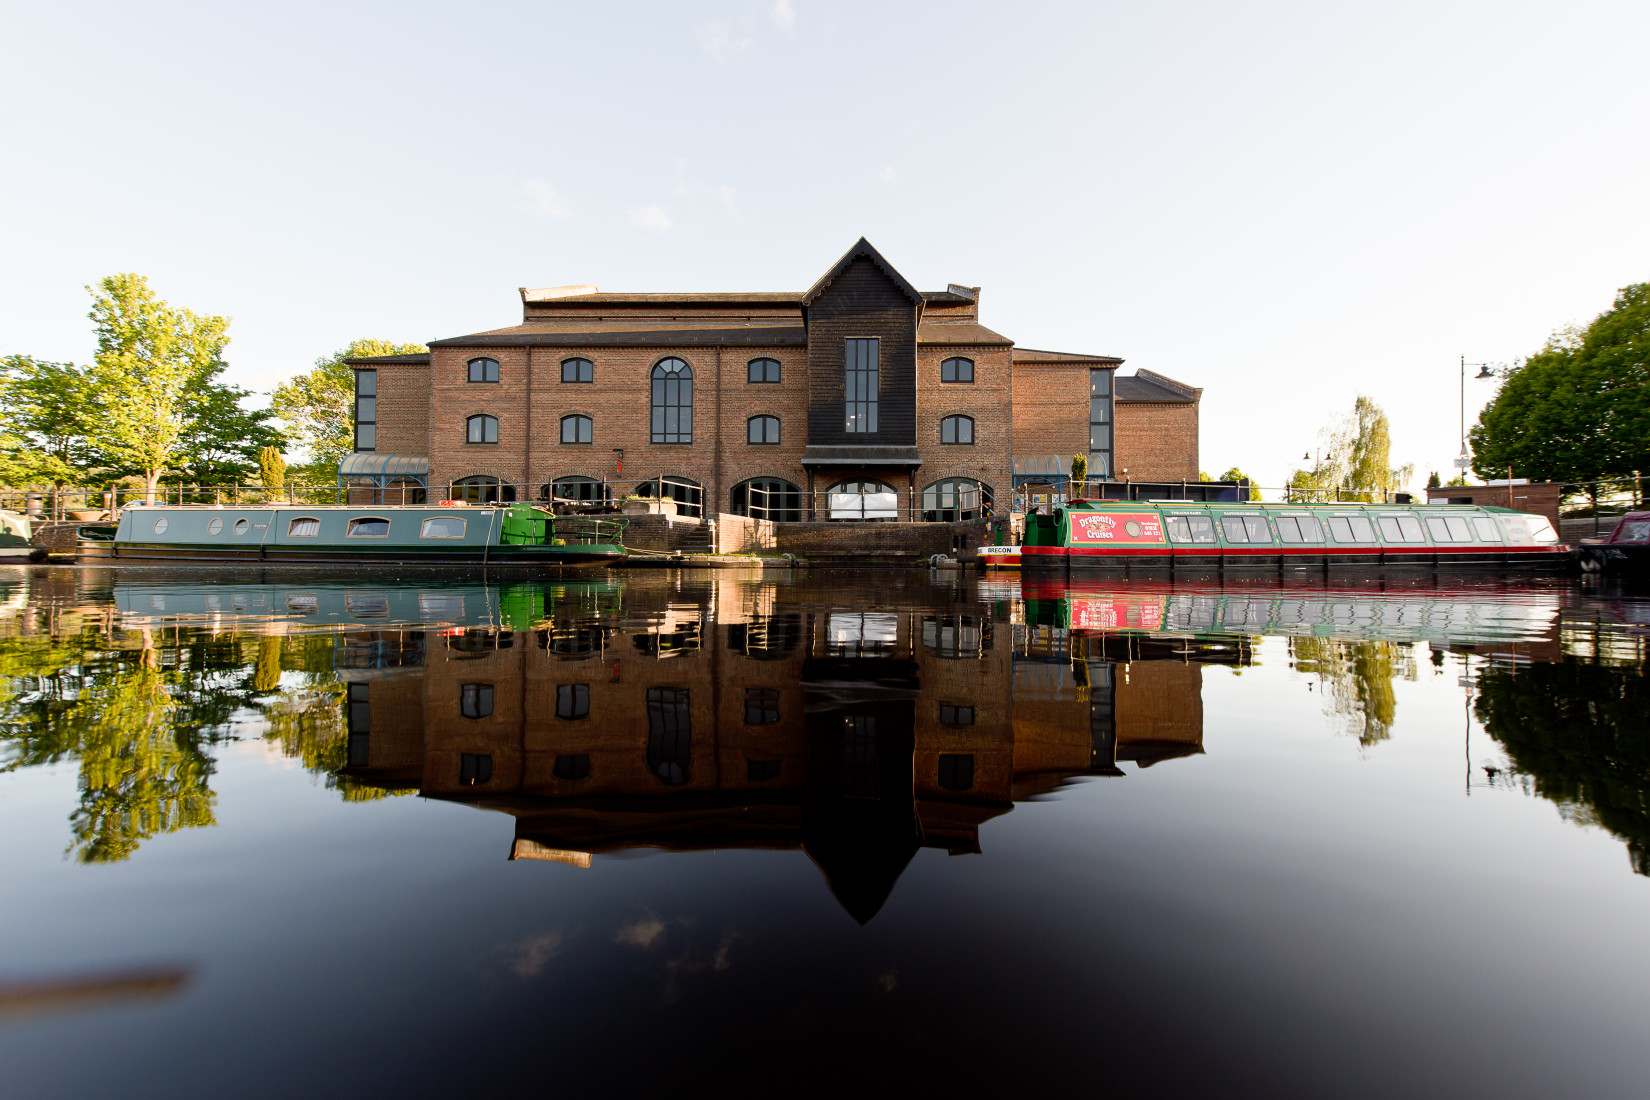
{"x":1286,"y":204}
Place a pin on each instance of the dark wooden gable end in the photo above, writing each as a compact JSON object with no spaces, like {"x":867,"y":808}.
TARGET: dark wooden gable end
{"x":862,"y":296}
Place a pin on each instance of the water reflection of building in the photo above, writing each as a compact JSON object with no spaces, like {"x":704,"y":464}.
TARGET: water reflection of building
{"x":711,"y":721}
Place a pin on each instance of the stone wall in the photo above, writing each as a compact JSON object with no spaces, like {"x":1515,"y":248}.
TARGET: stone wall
{"x":916,"y":541}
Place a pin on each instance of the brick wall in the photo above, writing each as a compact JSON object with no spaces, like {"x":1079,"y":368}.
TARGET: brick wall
{"x":1156,"y":442}
{"x":987,"y":400}
{"x":1051,"y":409}
{"x":403,"y":409}
{"x":1542,"y":498}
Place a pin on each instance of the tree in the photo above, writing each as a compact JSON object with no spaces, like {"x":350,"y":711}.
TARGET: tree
{"x":224,"y":438}
{"x":319,"y":407}
{"x":1079,"y":468}
{"x":1235,"y":474}
{"x":43,"y":420}
{"x":271,"y":467}
{"x":153,"y":364}
{"x":1355,"y":462}
{"x":1433,"y":482}
{"x":1579,"y":409}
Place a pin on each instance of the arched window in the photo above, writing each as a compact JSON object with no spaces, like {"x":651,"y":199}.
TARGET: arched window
{"x":577,"y":370}
{"x":687,"y":494}
{"x":957,"y":429}
{"x":672,"y":401}
{"x":475,"y":700}
{"x":669,"y":735}
{"x":481,"y":429}
{"x":581,"y":489}
{"x":762,"y":370}
{"x":955,"y":498}
{"x":762,"y":429}
{"x":576,"y":429}
{"x":957,"y":369}
{"x":862,"y":499}
{"x":484,"y":370}
{"x":767,"y":498}
{"x":481,"y":490}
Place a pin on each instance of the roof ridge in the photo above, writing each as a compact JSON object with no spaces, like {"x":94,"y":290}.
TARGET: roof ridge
{"x":865,"y":248}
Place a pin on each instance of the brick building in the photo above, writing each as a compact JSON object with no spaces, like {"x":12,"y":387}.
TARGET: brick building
{"x":862,"y":397}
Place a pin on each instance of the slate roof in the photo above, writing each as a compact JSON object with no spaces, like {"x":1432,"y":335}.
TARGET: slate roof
{"x":1134,"y":389}
{"x":862,"y":248}
{"x":1032,"y":355}
{"x":606,"y":334}
{"x":380,"y":360}
{"x":960,"y":333}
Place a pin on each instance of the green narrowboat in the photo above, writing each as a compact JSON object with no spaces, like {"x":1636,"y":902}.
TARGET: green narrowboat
{"x":1288,"y":539}
{"x":510,"y":534}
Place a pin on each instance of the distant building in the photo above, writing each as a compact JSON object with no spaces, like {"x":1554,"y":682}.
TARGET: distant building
{"x":759,"y":403}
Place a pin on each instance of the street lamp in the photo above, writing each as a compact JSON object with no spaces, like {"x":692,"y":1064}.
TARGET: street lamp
{"x":1462,"y":462}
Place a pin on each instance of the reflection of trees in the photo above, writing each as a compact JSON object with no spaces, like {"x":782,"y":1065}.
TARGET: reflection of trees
{"x":1356,"y":680}
{"x":1581,"y":732}
{"x":141,"y":711}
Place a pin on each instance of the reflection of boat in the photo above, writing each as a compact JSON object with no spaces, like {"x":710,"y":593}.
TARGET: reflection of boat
{"x":1287,"y":538}
{"x":513,"y":534}
{"x":1625,"y":550}
{"x":1449,"y":616}
{"x":14,"y":539}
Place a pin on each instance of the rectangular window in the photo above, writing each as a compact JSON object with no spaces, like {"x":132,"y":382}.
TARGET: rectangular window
{"x":956,"y":771}
{"x":761,"y":706}
{"x":1299,"y":529}
{"x":1351,"y":529}
{"x":1459,"y":529}
{"x":951,"y":714}
{"x":760,"y":771}
{"x":474,"y":768}
{"x":475,"y":700}
{"x":1401,"y":529}
{"x":862,"y":385}
{"x":360,"y":724}
{"x":303,"y":528}
{"x":1486,"y":528}
{"x":572,"y":766}
{"x":1190,"y":528}
{"x":366,"y":410}
{"x":1101,"y":413}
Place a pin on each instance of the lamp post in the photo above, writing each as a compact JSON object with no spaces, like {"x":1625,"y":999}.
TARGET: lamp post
{"x":1461,"y":461}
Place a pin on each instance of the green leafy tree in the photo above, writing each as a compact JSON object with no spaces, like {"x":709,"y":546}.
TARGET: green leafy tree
{"x":1579,"y":409}
{"x":223,"y":438}
{"x":1079,"y":467}
{"x":271,"y":467}
{"x":1355,"y":679}
{"x":319,"y":407}
{"x":44,"y":422}
{"x":1433,"y":482}
{"x":154,"y":363}
{"x":1235,"y":474}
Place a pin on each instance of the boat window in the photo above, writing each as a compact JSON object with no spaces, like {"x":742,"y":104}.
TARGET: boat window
{"x":304,"y":527}
{"x":367,"y":605}
{"x":241,"y":526}
{"x":1634,"y":531}
{"x":160,"y":525}
{"x":1299,"y":529}
{"x":302,"y":605}
{"x":214,"y":526}
{"x":1486,"y":528}
{"x":442,"y":527}
{"x":1401,"y":529}
{"x":1541,"y":530}
{"x":368,"y":527}
{"x":1191,"y":529}
{"x":1459,"y":529}
{"x":1232,"y":527}
{"x":1245,"y":528}
{"x":475,"y":700}
{"x":1351,"y":529}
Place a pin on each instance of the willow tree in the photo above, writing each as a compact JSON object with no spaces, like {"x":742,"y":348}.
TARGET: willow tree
{"x":1355,"y":460}
{"x":153,"y":364}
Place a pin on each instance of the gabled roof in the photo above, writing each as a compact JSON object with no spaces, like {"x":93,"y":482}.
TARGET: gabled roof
{"x":862,"y":249}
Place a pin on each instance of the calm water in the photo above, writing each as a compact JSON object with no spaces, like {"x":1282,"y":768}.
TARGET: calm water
{"x":823,"y":834}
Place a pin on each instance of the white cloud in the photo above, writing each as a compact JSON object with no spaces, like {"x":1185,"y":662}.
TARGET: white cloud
{"x":544,"y":199}
{"x":651,"y":216}
{"x":730,"y":199}
{"x":533,"y":953}
{"x":716,"y":38}
{"x":784,"y":15}
{"x":888,"y":174}
{"x":642,"y":933}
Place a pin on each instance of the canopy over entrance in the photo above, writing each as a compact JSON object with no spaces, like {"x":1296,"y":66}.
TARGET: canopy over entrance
{"x":381,"y":470}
